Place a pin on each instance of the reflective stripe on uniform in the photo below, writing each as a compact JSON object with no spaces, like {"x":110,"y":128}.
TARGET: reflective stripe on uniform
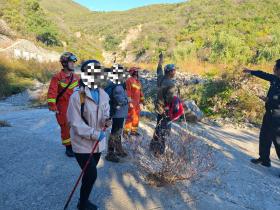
{"x":66,"y":141}
{"x":51,"y":100}
{"x":62,"y":84}
{"x":136,"y":86}
{"x":74,"y":84}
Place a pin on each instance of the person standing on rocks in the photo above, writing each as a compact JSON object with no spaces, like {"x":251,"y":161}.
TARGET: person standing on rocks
{"x":270,"y":129}
{"x":60,"y":90}
{"x":88,"y":115}
{"x":135,"y":98}
{"x":118,"y":112}
{"x":167,"y":92}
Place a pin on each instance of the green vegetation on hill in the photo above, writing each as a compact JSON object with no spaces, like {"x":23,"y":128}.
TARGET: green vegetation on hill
{"x":214,"y":31}
{"x":27,"y":17}
{"x":209,"y":35}
{"x":228,"y":96}
{"x":230,"y":32}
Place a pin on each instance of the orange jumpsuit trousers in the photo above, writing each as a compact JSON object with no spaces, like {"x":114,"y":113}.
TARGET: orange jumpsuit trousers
{"x":135,"y":96}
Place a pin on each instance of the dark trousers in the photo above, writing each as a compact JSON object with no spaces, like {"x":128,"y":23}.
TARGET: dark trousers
{"x":162,"y":132}
{"x":89,"y":176}
{"x":114,"y":142}
{"x":270,"y":132}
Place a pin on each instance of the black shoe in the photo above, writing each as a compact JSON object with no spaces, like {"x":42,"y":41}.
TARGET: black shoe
{"x":266,"y":164}
{"x":69,"y":152}
{"x":256,"y":161}
{"x":112,"y":157}
{"x":89,"y":206}
{"x":260,"y":161}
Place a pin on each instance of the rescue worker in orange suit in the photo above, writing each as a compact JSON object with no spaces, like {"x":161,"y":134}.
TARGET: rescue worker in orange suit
{"x":61,"y":88}
{"x":135,"y":98}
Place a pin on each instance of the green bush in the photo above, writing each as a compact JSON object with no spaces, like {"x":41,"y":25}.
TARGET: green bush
{"x":27,"y":17}
{"x":111,"y":43}
{"x":224,"y":97}
{"x":48,"y":39}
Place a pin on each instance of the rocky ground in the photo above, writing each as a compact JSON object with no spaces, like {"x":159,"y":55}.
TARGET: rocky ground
{"x":35,"y":173}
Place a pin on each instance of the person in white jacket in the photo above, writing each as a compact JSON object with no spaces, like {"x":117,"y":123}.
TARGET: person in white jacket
{"x":88,"y":113}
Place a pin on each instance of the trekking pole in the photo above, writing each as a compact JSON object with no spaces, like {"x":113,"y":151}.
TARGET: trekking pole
{"x":185,"y":120}
{"x":82,"y":173}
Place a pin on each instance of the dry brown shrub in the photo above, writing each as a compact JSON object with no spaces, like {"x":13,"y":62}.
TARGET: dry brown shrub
{"x":185,"y":158}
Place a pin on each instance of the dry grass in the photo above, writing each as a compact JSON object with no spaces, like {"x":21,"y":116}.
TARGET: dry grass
{"x":17,"y":75}
{"x":195,"y":66}
{"x":185,"y":158}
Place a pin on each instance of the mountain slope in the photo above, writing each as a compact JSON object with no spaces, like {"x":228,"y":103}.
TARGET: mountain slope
{"x":209,"y":31}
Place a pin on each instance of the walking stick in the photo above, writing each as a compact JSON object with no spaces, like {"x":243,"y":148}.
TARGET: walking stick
{"x":82,"y":173}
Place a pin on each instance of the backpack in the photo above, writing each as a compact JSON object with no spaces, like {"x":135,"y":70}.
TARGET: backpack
{"x":175,"y":109}
{"x":113,"y":103}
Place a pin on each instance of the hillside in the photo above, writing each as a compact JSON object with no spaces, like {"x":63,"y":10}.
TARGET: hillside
{"x":207,"y":31}
{"x":219,"y":31}
{"x":213,"y":38}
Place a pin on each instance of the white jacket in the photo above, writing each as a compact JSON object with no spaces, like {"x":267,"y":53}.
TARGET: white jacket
{"x":83,"y":136}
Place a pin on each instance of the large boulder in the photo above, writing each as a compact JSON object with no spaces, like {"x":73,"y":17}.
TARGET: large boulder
{"x":192,"y":111}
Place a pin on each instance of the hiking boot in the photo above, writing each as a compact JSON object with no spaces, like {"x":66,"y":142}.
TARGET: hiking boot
{"x":119,"y":149}
{"x":89,"y":206}
{"x":69,"y":152}
{"x":260,"y":161}
{"x":112,"y":157}
{"x":121,"y":153}
{"x":125,"y":135}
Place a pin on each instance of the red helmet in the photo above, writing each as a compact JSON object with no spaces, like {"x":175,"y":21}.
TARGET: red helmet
{"x":133,"y":70}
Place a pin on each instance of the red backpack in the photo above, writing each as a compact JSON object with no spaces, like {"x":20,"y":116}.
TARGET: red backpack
{"x":176,"y":109}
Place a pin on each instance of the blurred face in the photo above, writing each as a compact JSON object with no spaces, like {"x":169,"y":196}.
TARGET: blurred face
{"x":173,"y":73}
{"x":93,"y":76}
{"x":117,"y":75}
{"x":136,"y":75}
{"x":71,"y":66}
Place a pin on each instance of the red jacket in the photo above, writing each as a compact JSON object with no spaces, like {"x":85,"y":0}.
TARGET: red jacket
{"x":58,"y":83}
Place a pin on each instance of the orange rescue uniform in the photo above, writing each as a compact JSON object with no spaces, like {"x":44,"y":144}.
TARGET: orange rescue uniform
{"x":135,"y":96}
{"x":58,"y":83}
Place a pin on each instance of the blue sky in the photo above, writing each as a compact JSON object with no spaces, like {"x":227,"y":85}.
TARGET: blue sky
{"x":115,"y":5}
